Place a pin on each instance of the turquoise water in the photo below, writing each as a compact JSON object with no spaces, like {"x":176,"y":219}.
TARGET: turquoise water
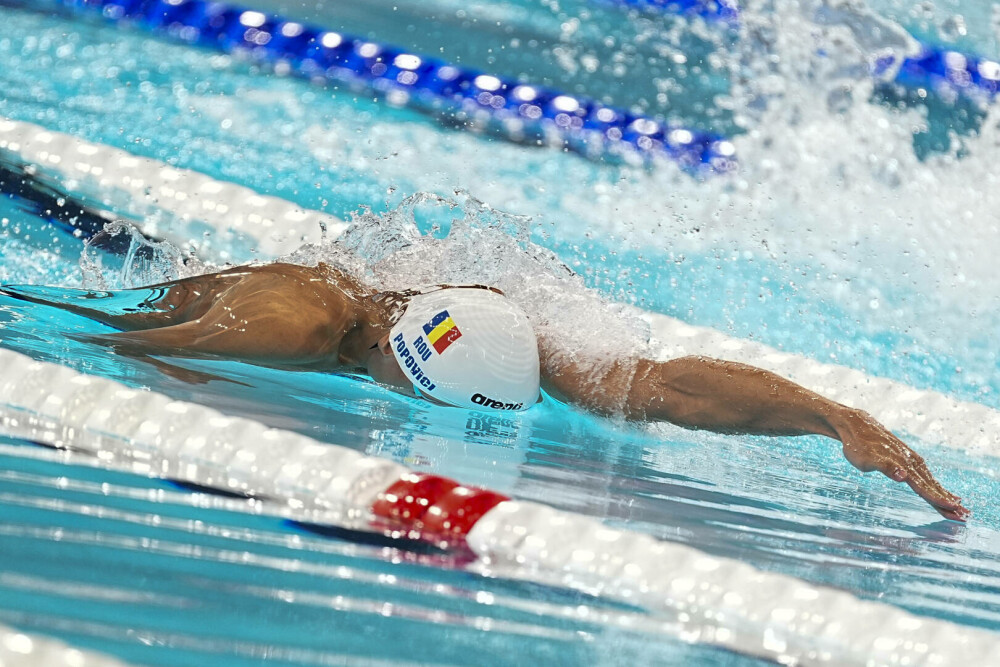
{"x":337,"y":151}
{"x":211,"y":582}
{"x":132,"y":567}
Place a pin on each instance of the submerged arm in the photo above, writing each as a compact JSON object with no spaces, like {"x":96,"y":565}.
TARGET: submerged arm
{"x":728,"y":397}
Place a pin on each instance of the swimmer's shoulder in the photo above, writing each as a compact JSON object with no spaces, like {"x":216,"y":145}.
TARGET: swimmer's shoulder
{"x":321,"y":272}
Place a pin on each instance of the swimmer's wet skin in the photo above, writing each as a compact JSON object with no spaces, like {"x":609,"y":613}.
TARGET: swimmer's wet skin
{"x":469,"y":347}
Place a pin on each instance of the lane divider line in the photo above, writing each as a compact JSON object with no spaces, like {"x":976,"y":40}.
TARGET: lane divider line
{"x":943,"y":71}
{"x":726,"y":11}
{"x":461,"y":97}
{"x":144,"y":186}
{"x":714,"y":600}
{"x":946,"y":72}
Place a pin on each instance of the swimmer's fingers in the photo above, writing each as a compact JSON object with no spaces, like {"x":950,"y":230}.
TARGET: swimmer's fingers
{"x":919,"y":478}
{"x":869,"y":446}
{"x":902,"y":464}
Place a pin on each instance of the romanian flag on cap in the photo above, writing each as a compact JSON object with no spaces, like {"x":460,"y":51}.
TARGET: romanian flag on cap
{"x":442,"y":331}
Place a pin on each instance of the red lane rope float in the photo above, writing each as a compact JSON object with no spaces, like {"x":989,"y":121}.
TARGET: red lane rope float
{"x":435,"y":508}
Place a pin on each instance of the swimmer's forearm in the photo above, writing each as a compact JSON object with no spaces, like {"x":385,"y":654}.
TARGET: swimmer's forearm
{"x":728,"y":397}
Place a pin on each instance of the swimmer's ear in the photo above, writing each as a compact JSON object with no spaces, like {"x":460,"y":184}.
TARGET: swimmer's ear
{"x":384,"y":346}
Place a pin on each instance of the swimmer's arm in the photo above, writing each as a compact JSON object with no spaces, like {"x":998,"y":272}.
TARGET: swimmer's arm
{"x":268,"y":319}
{"x":728,"y":397}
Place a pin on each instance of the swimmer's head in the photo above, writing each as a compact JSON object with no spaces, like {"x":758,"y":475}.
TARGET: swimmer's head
{"x":463,"y":346}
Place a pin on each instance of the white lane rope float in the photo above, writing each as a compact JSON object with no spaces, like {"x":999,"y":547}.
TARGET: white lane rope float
{"x":20,"y":649}
{"x":713,"y":600}
{"x":278,"y":227}
{"x":142,"y":185}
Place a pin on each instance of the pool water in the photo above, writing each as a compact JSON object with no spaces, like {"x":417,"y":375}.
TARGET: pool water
{"x":157,"y":576}
{"x":834,"y":241}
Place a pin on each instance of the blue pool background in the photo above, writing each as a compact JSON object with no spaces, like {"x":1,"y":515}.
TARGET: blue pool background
{"x":789,"y":505}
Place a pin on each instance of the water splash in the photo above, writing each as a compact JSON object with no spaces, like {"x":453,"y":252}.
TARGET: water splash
{"x":135,"y":260}
{"x":429,"y":240}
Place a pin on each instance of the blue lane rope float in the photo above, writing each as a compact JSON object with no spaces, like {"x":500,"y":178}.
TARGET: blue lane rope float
{"x":942,"y":69}
{"x":727,"y":11}
{"x":458,"y":96}
{"x":934,"y":68}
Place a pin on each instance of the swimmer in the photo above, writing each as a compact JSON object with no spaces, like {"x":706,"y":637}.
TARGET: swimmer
{"x":472,"y":347}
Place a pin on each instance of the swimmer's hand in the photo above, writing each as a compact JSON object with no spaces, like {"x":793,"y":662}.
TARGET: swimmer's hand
{"x":869,"y":446}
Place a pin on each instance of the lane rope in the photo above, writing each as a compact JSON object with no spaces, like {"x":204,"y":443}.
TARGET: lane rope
{"x":144,"y":185}
{"x":727,"y":11}
{"x":462,"y":97}
{"x":941,"y":70}
{"x":946,"y":71}
{"x":713,"y":600}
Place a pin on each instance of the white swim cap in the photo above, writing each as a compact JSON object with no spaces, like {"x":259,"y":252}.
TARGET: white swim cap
{"x":468,"y":347}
